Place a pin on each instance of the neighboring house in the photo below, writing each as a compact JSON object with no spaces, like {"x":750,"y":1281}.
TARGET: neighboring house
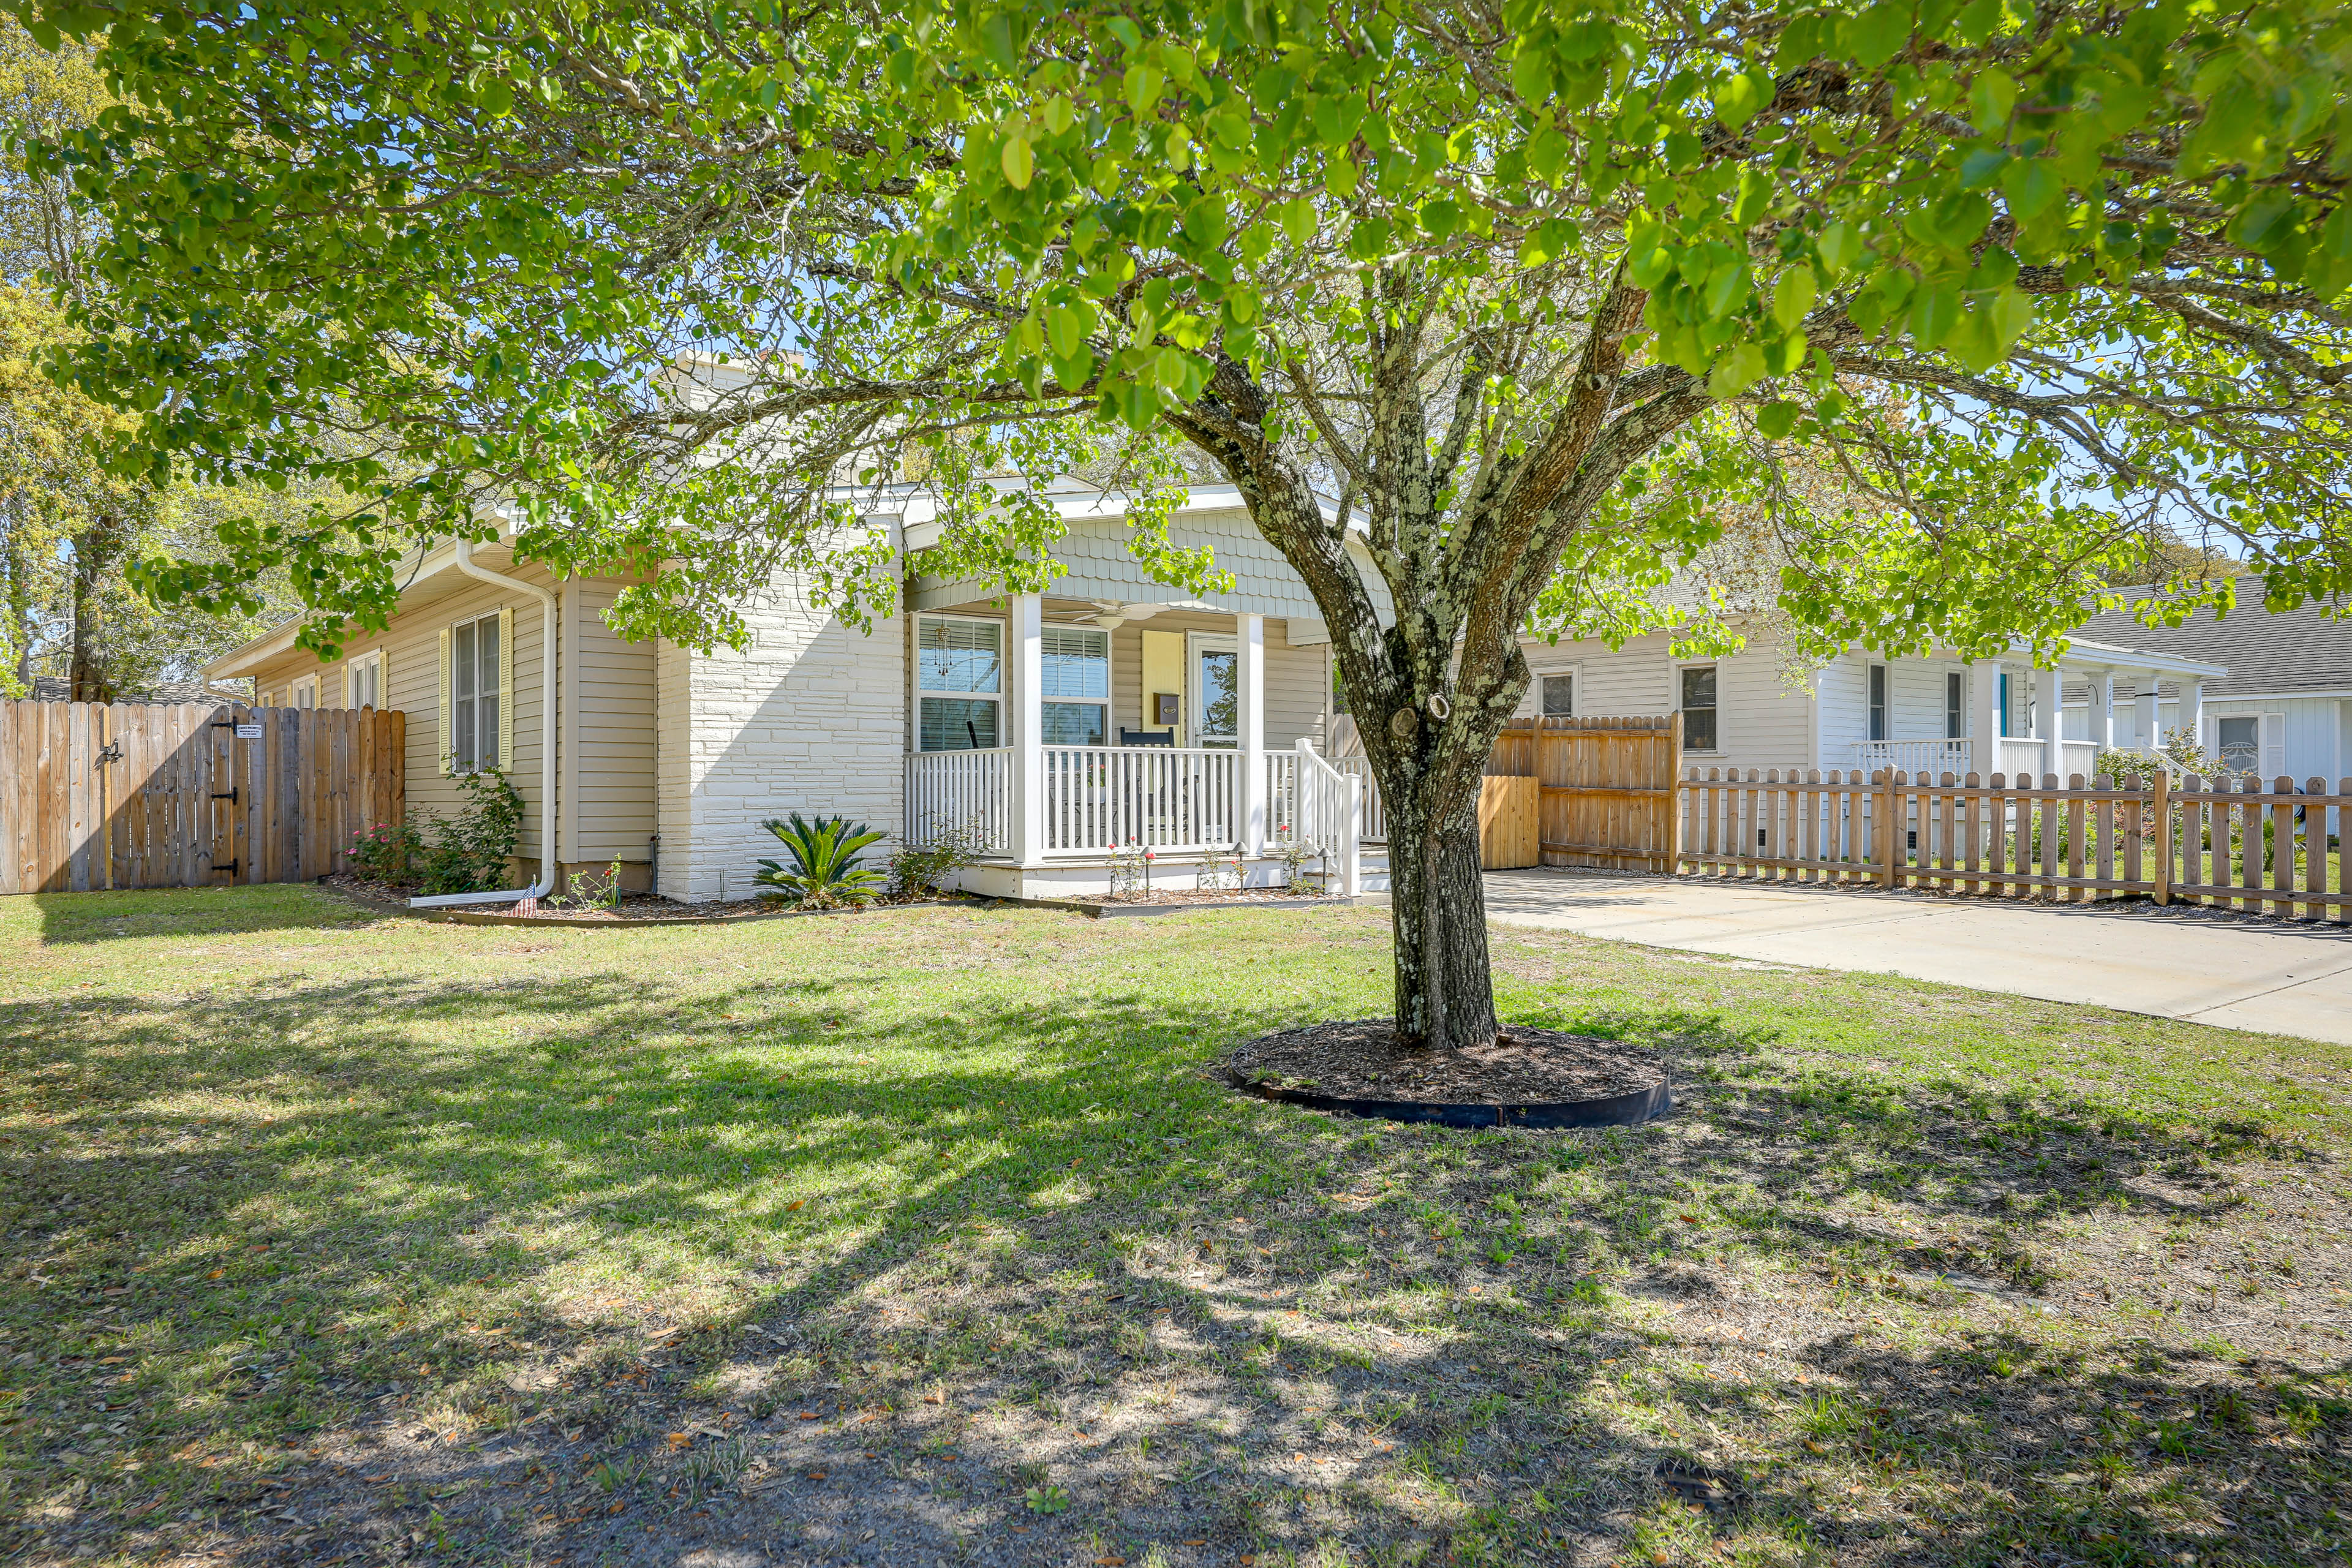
{"x":2285,"y":706}
{"x":1058,"y":725}
{"x":1934,"y":714}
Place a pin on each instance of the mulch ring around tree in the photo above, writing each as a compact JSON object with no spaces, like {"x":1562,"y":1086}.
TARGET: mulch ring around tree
{"x":1527,"y":1077}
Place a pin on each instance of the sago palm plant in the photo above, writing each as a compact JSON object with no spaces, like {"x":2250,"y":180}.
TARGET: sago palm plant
{"x":826,"y":870}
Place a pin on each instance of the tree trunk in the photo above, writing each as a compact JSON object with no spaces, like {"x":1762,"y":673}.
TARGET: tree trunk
{"x":1444,"y":994}
{"x":96,"y":550}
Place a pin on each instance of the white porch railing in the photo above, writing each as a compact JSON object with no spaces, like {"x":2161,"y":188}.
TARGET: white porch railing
{"x":1322,"y":806}
{"x":1931,"y":757}
{"x":2018,"y":757}
{"x":1156,"y":797}
{"x":1376,"y":816}
{"x":947,"y":790}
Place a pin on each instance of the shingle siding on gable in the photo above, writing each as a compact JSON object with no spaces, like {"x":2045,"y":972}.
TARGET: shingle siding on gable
{"x":1100,"y":566}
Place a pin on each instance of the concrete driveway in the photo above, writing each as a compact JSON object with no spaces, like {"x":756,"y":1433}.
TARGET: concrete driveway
{"x":2277,"y":979}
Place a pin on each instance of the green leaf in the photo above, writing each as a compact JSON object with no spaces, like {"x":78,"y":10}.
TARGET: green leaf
{"x":1840,"y":247}
{"x":2031,"y":184}
{"x":1019,"y":162}
{"x":1934,"y":312}
{"x":1738,"y":98}
{"x":1058,"y":115}
{"x":1648,"y":268}
{"x":1776,"y":419}
{"x":1991,"y":97}
{"x":1736,"y":371}
{"x":1726,"y":290}
{"x":1875,"y":37}
{"x":1143,"y":85}
{"x":1298,"y":220}
{"x":1793,"y":296}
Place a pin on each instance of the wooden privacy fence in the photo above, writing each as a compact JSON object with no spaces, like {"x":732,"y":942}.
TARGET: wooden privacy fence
{"x":2222,"y":841}
{"x":96,"y":795}
{"x":1604,"y":789}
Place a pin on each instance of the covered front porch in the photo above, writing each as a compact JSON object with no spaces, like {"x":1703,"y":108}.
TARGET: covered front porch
{"x":1057,"y":746}
{"x":2022,"y":720}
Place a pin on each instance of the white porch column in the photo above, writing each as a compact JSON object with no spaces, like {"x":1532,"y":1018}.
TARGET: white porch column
{"x":2045,"y":723}
{"x":1984,"y":719}
{"x":2102,"y":709}
{"x":1025,"y":686}
{"x":2192,"y":709}
{"x":2145,"y":720}
{"x":1249,"y":726}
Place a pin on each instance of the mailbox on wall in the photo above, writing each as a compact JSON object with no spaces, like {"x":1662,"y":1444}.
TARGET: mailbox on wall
{"x":1167,"y":708}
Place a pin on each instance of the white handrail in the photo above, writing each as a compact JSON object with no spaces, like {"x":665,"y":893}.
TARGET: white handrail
{"x":1329,"y":815}
{"x":1376,"y":816}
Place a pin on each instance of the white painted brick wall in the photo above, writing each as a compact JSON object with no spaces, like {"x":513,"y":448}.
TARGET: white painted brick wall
{"x":810,"y":717}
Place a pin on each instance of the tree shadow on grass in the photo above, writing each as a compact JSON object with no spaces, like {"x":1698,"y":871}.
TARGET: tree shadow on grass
{"x":546,"y":1216}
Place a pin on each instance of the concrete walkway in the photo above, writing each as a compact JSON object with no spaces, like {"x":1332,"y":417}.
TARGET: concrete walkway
{"x":2276,"y":979}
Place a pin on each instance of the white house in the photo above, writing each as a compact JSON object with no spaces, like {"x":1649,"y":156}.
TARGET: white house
{"x":1936,"y":714}
{"x":1109,"y":711}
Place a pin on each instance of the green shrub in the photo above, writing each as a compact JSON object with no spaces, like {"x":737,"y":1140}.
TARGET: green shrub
{"x":387,"y":852}
{"x":826,"y":872}
{"x":920,"y":870}
{"x":469,"y":851}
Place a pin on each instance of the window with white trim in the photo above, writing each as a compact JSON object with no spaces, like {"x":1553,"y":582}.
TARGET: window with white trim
{"x":1698,"y":708}
{"x":474,"y":690}
{"x":364,"y":680}
{"x":1955,"y":707}
{"x":1073,"y":683}
{"x":1878,"y":702}
{"x":959,"y":683}
{"x":1559,"y":696}
{"x":306,"y":691}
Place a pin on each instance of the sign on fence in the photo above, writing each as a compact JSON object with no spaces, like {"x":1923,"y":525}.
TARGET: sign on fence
{"x":2230,"y":841}
{"x":96,"y":795}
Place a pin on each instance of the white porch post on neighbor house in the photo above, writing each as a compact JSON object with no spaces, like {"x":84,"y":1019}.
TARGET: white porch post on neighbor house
{"x":2145,"y":721}
{"x":1249,"y":727}
{"x":1025,"y":692}
{"x":2047,"y":691}
{"x":1984,"y":720}
{"x":2192,"y":709}
{"x":2102,"y":709}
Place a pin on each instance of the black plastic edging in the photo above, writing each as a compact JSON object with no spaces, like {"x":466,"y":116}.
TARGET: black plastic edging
{"x":1628,"y":1109}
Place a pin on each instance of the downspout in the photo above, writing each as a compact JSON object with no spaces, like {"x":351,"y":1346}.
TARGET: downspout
{"x":547,"y":861}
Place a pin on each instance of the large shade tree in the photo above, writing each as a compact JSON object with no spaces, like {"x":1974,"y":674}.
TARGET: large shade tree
{"x":1516,"y":296}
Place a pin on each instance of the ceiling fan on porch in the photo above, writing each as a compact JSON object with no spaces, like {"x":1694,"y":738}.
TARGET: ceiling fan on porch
{"x":1112,"y":613}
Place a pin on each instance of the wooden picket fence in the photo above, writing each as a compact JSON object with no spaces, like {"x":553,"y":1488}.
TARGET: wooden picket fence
{"x":2237,"y":842}
{"x":96,"y":795}
{"x":1605,"y":787}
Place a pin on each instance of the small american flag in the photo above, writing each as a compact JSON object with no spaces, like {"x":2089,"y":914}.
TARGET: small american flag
{"x":526,"y":905}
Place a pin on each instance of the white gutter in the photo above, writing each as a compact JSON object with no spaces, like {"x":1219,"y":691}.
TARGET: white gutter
{"x":547,"y":862}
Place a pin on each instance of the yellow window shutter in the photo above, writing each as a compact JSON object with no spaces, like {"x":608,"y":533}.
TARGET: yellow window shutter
{"x":506,"y":689}
{"x":448,"y":714}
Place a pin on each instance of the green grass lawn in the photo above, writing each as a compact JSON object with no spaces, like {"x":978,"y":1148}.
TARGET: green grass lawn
{"x":930,"y":1236}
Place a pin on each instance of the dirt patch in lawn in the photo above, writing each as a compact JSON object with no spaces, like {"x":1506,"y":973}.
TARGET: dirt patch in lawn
{"x":1363,"y":1059}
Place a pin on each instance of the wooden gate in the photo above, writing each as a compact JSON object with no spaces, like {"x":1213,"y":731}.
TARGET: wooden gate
{"x":1605,"y":788}
{"x":94,"y":796}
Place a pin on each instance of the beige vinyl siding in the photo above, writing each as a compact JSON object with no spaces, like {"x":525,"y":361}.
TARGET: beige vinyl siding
{"x":674,"y":767}
{"x":608,"y":800}
{"x":412,"y":675}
